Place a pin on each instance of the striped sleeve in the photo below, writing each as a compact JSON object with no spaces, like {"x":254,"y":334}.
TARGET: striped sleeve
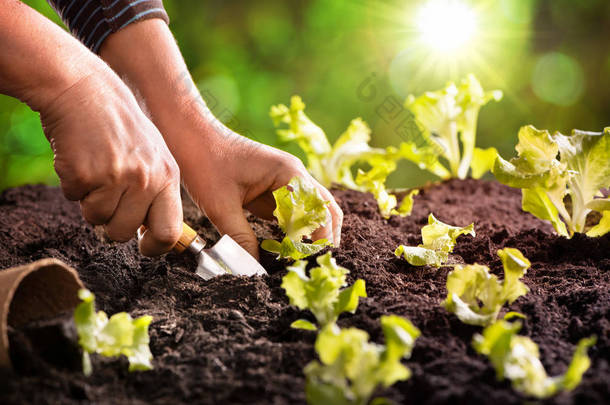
{"x":91,"y":21}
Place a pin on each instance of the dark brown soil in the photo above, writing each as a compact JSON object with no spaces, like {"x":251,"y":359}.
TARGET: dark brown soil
{"x":228,"y":341}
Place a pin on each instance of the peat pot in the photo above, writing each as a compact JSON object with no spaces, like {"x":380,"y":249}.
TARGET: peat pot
{"x":39,"y":290}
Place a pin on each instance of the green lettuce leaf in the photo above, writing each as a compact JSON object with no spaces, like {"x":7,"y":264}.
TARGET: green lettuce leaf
{"x":483,"y":161}
{"x":321,"y":291}
{"x":579,"y":365}
{"x":421,"y":256}
{"x":351,"y":368}
{"x":438,"y":235}
{"x":310,"y":137}
{"x":550,"y":167}
{"x":518,"y":359}
{"x":587,"y":157}
{"x":599,"y":204}
{"x":374,"y":180}
{"x":476,"y":297}
{"x":515,"y":266}
{"x":425,"y":157}
{"x":294,"y":250}
{"x":602,"y":228}
{"x":450,"y":115}
{"x":303,"y":324}
{"x":300,"y":210}
{"x":537,"y":202}
{"x":473,"y":294}
{"x":406,"y":204}
{"x":438,"y":239}
{"x":119,"y":335}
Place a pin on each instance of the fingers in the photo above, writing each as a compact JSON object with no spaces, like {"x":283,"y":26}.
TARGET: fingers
{"x":262,"y":206}
{"x":332,"y":229}
{"x":230,"y":220}
{"x":99,"y":206}
{"x":164,"y":223}
{"x":129,"y":215}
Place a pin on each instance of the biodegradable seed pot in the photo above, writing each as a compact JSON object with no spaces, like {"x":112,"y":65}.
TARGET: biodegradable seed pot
{"x":36,"y":291}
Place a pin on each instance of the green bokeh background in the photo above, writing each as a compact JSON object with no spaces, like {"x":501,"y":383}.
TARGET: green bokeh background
{"x":354,"y":58}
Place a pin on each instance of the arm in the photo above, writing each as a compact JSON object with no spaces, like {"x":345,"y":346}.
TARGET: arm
{"x":108,"y":155}
{"x":223,"y":171}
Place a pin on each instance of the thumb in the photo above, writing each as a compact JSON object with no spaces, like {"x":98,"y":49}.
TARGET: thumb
{"x":230,"y":220}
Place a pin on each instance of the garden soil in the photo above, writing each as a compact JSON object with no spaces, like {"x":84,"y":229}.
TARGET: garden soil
{"x":228,"y":340}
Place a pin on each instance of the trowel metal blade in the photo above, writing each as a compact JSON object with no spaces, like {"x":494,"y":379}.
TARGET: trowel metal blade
{"x":227,"y":257}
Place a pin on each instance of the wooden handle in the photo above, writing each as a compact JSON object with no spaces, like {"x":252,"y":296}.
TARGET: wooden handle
{"x":186,"y":239}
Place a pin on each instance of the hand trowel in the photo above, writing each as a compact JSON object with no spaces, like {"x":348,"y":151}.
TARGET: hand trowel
{"x":225,"y":257}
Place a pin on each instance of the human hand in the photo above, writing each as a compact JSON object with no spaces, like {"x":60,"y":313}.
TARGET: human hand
{"x":223,"y":171}
{"x":111,"y":158}
{"x":229,"y":172}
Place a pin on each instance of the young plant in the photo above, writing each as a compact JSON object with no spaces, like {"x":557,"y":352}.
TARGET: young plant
{"x":374,"y":182}
{"x":119,"y":335}
{"x":581,"y":171}
{"x":351,"y":368}
{"x":438,"y":241}
{"x":333,"y":164}
{"x":328,"y":164}
{"x":321,"y":292}
{"x":448,"y":116}
{"x":299,"y":211}
{"x":518,"y":359}
{"x":475,"y":296}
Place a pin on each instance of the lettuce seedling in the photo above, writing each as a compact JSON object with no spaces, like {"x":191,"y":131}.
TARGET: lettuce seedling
{"x":475,"y":296}
{"x":321,"y":292}
{"x":119,"y":335}
{"x":333,"y":164}
{"x":374,"y":182}
{"x":299,"y":210}
{"x":518,"y":359}
{"x":580,"y":172}
{"x":328,"y":164}
{"x":448,"y":116}
{"x":438,"y":241}
{"x":351,"y":368}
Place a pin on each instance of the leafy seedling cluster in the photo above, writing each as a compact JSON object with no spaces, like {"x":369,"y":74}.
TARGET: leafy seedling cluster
{"x":299,"y":210}
{"x":561,"y":177}
{"x":475,"y":296}
{"x":517,"y":358}
{"x":446,"y":117}
{"x":350,"y":367}
{"x":321,"y":291}
{"x":438,"y":239}
{"x":111,"y":337}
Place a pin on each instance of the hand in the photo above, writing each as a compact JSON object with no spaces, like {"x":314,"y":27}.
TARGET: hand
{"x":229,"y":172}
{"x":111,"y":158}
{"x":224,"y":172}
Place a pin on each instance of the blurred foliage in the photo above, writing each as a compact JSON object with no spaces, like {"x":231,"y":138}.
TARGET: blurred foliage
{"x":350,"y":58}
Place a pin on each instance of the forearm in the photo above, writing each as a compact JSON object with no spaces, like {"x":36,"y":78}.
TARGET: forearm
{"x":147,"y":57}
{"x":38,"y":60}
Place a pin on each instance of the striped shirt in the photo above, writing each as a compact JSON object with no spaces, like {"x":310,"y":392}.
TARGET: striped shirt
{"x":91,"y":21}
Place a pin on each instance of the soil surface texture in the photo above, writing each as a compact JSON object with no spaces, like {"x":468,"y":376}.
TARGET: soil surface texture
{"x":228,"y":340}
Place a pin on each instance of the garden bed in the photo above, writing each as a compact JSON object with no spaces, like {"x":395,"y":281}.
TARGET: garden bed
{"x":228,"y":340}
